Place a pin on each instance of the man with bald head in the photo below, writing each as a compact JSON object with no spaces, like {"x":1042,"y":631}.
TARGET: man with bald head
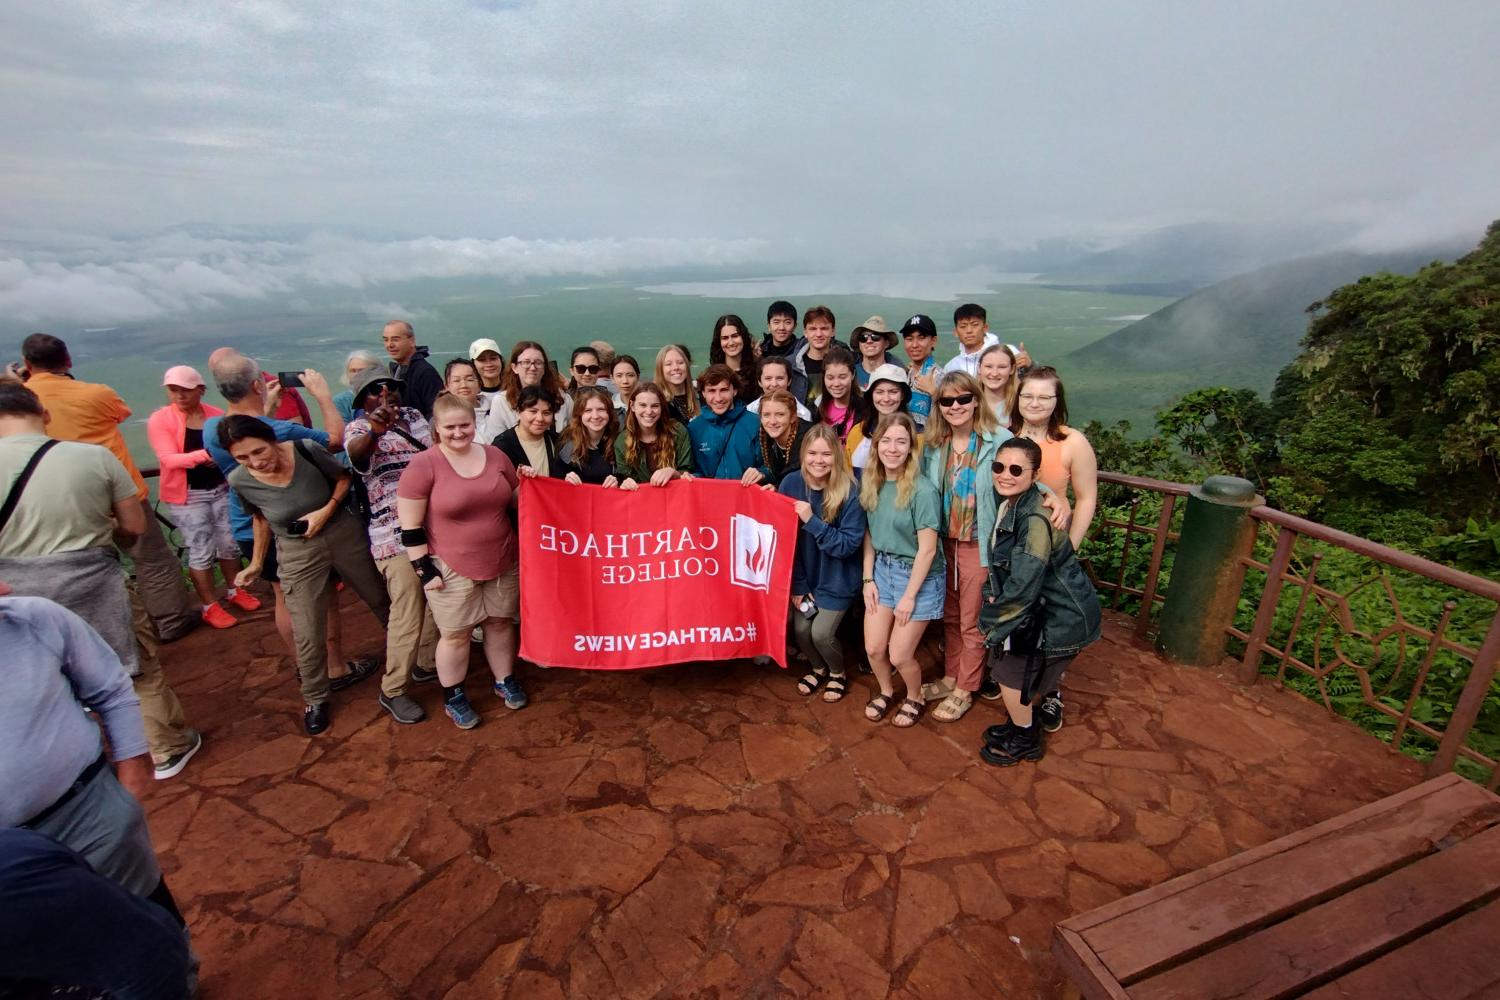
{"x":420,"y":382}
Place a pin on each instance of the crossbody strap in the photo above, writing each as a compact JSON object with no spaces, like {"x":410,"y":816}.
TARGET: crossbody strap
{"x":13,"y":498}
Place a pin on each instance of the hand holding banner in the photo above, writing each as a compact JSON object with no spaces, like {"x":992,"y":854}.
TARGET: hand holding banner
{"x":611,"y":580}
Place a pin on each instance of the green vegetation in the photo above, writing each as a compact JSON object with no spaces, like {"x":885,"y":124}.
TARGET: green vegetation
{"x":1385,"y":425}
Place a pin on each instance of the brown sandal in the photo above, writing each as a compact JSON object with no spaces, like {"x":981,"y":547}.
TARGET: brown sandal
{"x":877,"y":707}
{"x":907,"y":715}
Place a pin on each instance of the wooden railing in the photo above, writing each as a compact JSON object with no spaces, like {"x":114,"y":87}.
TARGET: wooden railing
{"x":1299,"y":632}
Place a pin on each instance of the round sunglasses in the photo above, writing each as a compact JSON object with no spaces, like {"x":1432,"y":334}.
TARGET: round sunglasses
{"x":1000,"y":468}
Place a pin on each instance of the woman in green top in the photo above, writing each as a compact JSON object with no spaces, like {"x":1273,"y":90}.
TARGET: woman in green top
{"x":903,"y":566}
{"x":653,"y":448}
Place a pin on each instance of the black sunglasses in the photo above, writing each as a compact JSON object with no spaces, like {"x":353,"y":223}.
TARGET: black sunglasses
{"x":869,"y":337}
{"x":1000,"y":468}
{"x":964,"y":399}
{"x":587,"y":369}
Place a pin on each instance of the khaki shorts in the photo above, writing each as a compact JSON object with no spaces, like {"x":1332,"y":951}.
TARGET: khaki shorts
{"x":464,"y":603}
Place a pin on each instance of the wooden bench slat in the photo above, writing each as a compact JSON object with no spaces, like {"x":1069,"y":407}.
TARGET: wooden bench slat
{"x":1342,"y":934}
{"x":1205,"y":913}
{"x":1147,"y":897}
{"x":1084,"y":968}
{"x":1457,"y":961}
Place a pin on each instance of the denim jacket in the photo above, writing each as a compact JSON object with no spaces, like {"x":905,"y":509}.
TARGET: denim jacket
{"x":1033,"y":568}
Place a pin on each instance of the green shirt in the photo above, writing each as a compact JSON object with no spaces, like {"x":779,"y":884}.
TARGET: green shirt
{"x":642,"y":469}
{"x":310,"y":488}
{"x":893,"y":530}
{"x":68,"y":502}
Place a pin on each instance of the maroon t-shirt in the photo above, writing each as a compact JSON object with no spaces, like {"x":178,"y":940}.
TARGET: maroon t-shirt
{"x":468,"y":524}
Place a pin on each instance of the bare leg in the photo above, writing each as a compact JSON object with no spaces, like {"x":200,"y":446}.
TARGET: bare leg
{"x":500,"y":646}
{"x":230,"y":568}
{"x":453,"y":659}
{"x":903,"y":654}
{"x":203,"y":583}
{"x":877,"y":647}
{"x":1019,"y":714}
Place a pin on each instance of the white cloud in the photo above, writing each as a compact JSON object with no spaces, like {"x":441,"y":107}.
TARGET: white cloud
{"x":120,"y":281}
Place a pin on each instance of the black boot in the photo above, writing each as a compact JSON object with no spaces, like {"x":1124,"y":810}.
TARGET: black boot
{"x":1000,"y":733}
{"x":1020,"y":744}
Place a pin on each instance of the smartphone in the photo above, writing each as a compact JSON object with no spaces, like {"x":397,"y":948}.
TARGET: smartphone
{"x":297,"y":528}
{"x":289,"y":380}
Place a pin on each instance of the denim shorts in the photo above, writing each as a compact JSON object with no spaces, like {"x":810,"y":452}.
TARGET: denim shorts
{"x":892,"y":573}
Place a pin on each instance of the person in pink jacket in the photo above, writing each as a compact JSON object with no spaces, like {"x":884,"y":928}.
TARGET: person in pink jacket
{"x":196,"y":494}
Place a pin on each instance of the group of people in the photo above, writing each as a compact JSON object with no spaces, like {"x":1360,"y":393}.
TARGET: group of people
{"x":923,"y":492}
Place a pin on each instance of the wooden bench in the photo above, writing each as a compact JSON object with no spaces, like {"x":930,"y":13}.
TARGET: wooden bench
{"x":1400,"y":898}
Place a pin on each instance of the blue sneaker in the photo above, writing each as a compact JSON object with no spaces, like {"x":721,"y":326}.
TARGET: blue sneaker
{"x":461,"y":712}
{"x":510,"y":690}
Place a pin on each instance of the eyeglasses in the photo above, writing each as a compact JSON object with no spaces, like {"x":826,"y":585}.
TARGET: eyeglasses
{"x":528,"y":363}
{"x":1000,"y":469}
{"x":963,"y":399}
{"x":869,"y":337}
{"x":587,"y":369}
{"x":1027,"y":397}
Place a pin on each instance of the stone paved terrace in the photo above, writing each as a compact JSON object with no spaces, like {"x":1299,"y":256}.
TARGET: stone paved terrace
{"x":704,"y":831}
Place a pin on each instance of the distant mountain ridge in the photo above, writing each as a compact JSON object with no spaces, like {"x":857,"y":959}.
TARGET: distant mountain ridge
{"x":1247,"y":327}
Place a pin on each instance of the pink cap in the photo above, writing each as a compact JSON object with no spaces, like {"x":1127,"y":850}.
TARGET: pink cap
{"x":183,"y":375}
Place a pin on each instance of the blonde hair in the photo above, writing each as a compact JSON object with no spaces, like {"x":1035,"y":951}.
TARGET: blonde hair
{"x":447,"y":402}
{"x":840,"y":479}
{"x":663,"y":451}
{"x":938,"y":428}
{"x":690,"y":400}
{"x":1012,"y":381}
{"x":875,"y":475}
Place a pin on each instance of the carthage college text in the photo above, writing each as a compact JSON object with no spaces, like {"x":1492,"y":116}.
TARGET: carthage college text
{"x":668,"y":554}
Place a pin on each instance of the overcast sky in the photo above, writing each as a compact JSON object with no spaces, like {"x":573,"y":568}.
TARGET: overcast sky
{"x":822,"y":124}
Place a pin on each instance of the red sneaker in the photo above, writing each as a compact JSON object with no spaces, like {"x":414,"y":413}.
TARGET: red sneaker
{"x":215,"y":615}
{"x":245,"y":601}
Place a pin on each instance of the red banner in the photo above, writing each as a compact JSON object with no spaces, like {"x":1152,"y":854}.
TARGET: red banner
{"x":611,"y":580}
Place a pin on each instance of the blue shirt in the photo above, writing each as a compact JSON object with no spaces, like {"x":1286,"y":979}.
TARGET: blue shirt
{"x":286,"y":430}
{"x":920,"y":406}
{"x":829,"y":557}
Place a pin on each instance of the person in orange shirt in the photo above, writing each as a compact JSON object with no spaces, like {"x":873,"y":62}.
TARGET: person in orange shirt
{"x":92,"y":413}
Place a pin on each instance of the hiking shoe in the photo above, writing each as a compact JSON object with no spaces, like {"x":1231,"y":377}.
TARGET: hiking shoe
{"x":989,"y":688}
{"x":1050,"y":713}
{"x":244,"y":600}
{"x":173,"y":765}
{"x":1018,"y":745}
{"x":215,"y":615}
{"x":1000,"y":733}
{"x":461,"y":712}
{"x":403,"y":709}
{"x":315,"y":718}
{"x":423,"y":675}
{"x":510,"y":690}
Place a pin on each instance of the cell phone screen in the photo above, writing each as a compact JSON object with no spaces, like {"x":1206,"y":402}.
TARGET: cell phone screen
{"x":289,"y":380}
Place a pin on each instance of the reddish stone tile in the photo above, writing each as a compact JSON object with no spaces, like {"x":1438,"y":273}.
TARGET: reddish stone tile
{"x":412,"y":934}
{"x":622,"y":766}
{"x":720,"y":977}
{"x":1085,"y":893}
{"x":228,"y":850}
{"x":1039,"y":872}
{"x":776,"y":752}
{"x":348,"y":894}
{"x":725,"y":763}
{"x":350,"y":773}
{"x":991,"y":946}
{"x":808,"y":885}
{"x":960,"y":821}
{"x":946,"y":970}
{"x":979,"y":895}
{"x":1217,"y":726}
{"x":615,"y":847}
{"x":1203,"y":845}
{"x":1148,"y":760}
{"x":656,"y":935}
{"x":924,"y":904}
{"x":301,"y":808}
{"x":829,"y":787}
{"x":890,"y":832}
{"x":437,"y":839}
{"x":378,"y":831}
{"x":280,"y":756}
{"x":687,"y":787}
{"x":675,"y":741}
{"x":868,"y":926}
{"x":504,"y":784}
{"x":763,"y":938}
{"x":492,"y":977}
{"x":906,"y":764}
{"x":560,"y":928}
{"x":1071,"y":811}
{"x":1129,"y":865}
{"x":1154,"y":829}
{"x":274,"y":961}
{"x":833,"y":966}
{"x":168,"y":819}
{"x":740,"y":840}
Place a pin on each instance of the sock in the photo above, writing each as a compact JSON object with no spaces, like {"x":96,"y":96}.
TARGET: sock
{"x":452,"y":692}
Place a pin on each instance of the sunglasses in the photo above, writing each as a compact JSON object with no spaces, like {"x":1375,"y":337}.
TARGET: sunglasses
{"x":587,"y":369}
{"x":869,"y":338}
{"x":963,"y":399}
{"x":1000,"y":468}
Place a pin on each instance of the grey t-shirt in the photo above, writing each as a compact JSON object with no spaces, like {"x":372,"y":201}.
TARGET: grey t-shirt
{"x":310,"y":488}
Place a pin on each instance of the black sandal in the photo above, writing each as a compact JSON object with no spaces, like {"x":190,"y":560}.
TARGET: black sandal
{"x":877,"y":707}
{"x":908,"y":714}
{"x":835,"y":687}
{"x":358,"y":670}
{"x":811,"y":681}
